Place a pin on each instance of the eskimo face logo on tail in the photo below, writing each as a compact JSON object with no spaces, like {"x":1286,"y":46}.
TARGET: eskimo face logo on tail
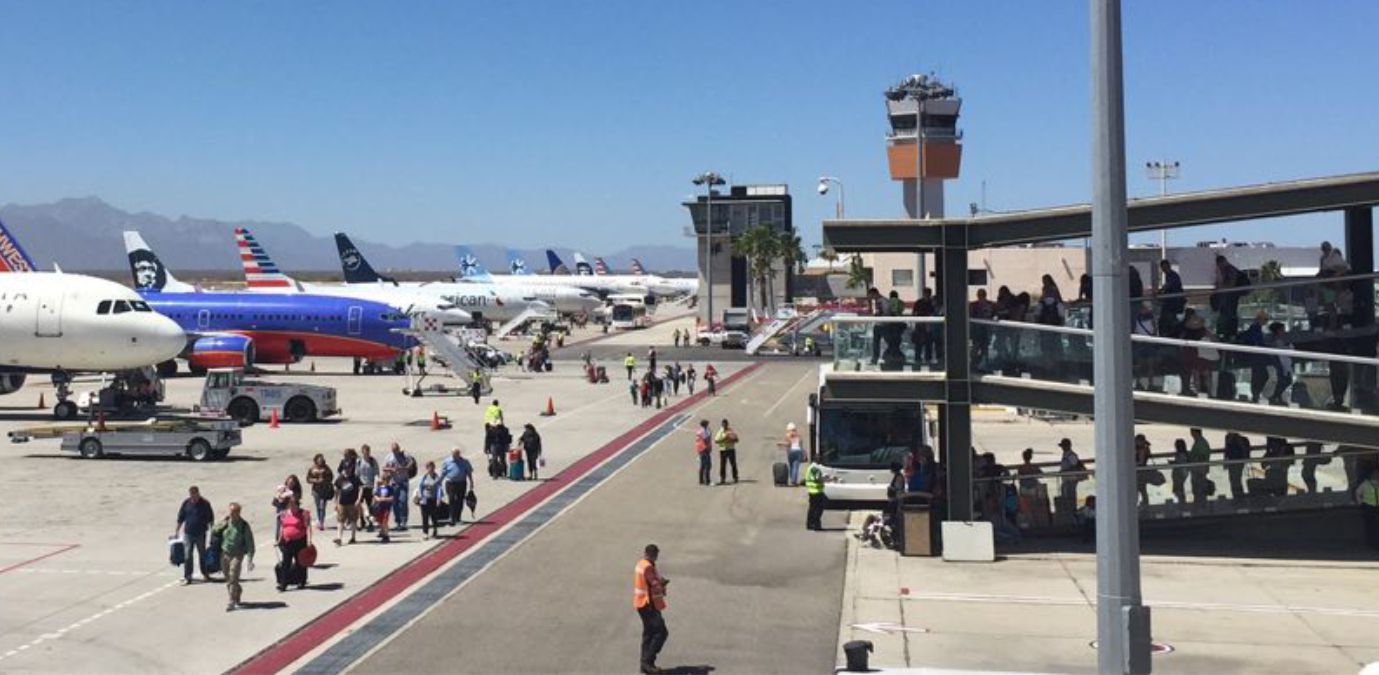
{"x":351,"y":259}
{"x":517,"y":266}
{"x":149,"y":274}
{"x":469,"y":265}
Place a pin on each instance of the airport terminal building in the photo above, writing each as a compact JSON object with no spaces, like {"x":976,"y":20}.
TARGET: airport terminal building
{"x":735,"y":211}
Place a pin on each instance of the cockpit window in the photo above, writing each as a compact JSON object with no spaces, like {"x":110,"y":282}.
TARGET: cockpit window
{"x":121,"y":307}
{"x":103,"y":307}
{"x":140,"y":306}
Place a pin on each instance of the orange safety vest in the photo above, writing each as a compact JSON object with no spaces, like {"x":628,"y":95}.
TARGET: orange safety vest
{"x":640,"y":595}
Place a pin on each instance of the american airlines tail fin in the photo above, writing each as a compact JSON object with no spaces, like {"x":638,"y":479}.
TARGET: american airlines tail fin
{"x":600,"y":267}
{"x":582,"y":266}
{"x":557,"y":267}
{"x":357,"y":270}
{"x":516,"y":265}
{"x":12,"y":255}
{"x":260,"y":272}
{"x":150,"y":274}
{"x":470,"y":267}
{"x":637,"y":267}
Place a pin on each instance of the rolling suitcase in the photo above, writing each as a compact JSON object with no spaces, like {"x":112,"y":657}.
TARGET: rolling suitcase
{"x":780,"y":474}
{"x":177,"y":551}
{"x":517,"y":470}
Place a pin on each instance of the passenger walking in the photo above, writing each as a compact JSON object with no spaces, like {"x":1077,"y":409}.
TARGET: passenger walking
{"x":429,"y":495}
{"x":368,"y":476}
{"x":1142,"y":452}
{"x":634,"y":388}
{"x":879,"y":307}
{"x":294,"y":534}
{"x":1171,"y":299}
{"x":347,"y":496}
{"x":456,"y":474}
{"x":1282,"y":365}
{"x":677,"y":375}
{"x":1051,"y":313}
{"x":194,"y":518}
{"x":1200,"y":453}
{"x":349,"y":458}
{"x":291,"y":487}
{"x":675,"y":336}
{"x":649,"y":599}
{"x":498,"y":452}
{"x":919,"y":334}
{"x":690,"y":376}
{"x":1070,"y":463}
{"x":726,"y":439}
{"x":383,"y":503}
{"x":236,"y":544}
{"x":711,"y":379}
{"x":1237,"y":450}
{"x":630,"y":363}
{"x":651,"y":359}
{"x":794,"y":454}
{"x":1180,"y":457}
{"x":322,"y":483}
{"x":814,"y":487}
{"x":1312,"y":458}
{"x":703,"y":444}
{"x":530,"y":443}
{"x":1367,"y":496}
{"x":1226,"y":299}
{"x":403,"y":468}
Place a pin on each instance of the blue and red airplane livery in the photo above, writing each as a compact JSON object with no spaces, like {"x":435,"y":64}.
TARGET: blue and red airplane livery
{"x":239,"y":329}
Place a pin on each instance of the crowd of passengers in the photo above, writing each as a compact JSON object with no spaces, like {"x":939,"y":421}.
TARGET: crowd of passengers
{"x":1331,"y":308}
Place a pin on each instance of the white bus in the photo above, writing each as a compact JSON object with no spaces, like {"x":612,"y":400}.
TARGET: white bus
{"x":628,"y":314}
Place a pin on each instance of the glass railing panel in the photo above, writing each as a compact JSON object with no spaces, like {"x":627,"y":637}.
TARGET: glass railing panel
{"x":896,"y":344}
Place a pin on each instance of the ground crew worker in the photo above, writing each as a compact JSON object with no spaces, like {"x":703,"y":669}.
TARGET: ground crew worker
{"x":1368,"y":497}
{"x":649,"y":599}
{"x":814,"y":485}
{"x":726,"y":440}
{"x":676,"y":336}
{"x":630,"y":362}
{"x":476,"y":385}
{"x":493,"y":418}
{"x":809,"y":345}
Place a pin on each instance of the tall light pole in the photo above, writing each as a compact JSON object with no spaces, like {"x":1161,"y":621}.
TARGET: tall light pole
{"x":709,"y":179}
{"x":823,"y":190}
{"x":1163,"y":172}
{"x":1122,"y":619}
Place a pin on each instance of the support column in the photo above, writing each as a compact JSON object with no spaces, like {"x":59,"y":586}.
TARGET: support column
{"x":1359,"y":251}
{"x":955,"y":415}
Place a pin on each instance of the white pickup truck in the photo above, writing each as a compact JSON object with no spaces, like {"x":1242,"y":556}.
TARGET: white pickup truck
{"x":228,"y":392}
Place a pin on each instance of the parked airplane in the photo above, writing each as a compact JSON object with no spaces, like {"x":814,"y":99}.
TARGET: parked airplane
{"x":637,"y":267}
{"x":606,"y":284}
{"x":54,"y":322}
{"x":556,"y":266}
{"x":262,"y":274}
{"x":486,"y":301}
{"x":238,"y":329}
{"x":565,"y":298}
{"x":600,"y":267}
{"x":516,"y":265}
{"x":582,"y":266}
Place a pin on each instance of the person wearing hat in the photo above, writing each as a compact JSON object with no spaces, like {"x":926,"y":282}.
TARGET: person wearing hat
{"x":794,"y":453}
{"x":1070,"y":463}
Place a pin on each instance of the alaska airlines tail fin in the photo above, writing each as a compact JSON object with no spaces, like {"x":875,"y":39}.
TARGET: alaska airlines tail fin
{"x":260,"y":272}
{"x":150,"y":274}
{"x":12,"y":255}
{"x":516,"y":265}
{"x":600,"y":267}
{"x":357,"y":270}
{"x":582,"y":266}
{"x":637,"y":267}
{"x":557,"y":267}
{"x":470,"y":267}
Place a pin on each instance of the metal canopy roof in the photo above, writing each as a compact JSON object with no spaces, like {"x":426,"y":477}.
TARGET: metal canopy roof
{"x":1269,"y":200}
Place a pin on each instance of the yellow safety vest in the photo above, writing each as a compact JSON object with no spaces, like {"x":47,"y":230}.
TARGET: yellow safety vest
{"x":814,"y":479}
{"x":1368,"y":493}
{"x":630,"y":361}
{"x":493,"y":415}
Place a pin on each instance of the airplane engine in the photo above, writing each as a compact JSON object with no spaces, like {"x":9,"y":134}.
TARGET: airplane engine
{"x":221,"y":351}
{"x":11,"y":382}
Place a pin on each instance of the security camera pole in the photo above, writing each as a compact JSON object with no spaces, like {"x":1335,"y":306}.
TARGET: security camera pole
{"x":823,"y":190}
{"x":1122,"y":619}
{"x":708,"y":179}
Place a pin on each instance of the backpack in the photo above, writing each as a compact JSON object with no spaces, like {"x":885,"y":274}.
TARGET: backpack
{"x":411,"y":466}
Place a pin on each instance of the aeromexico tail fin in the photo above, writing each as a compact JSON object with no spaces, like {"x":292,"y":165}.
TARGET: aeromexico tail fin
{"x":150,"y":274}
{"x":516,"y":265}
{"x":582,"y":266}
{"x":637,"y":267}
{"x":557,"y":267}
{"x":260,"y":272}
{"x":357,"y":270}
{"x":600,"y":267}
{"x":470,"y":267}
{"x":12,"y":255}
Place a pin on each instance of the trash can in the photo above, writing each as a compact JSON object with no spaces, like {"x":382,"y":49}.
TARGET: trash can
{"x":856,"y":652}
{"x":915,"y":538}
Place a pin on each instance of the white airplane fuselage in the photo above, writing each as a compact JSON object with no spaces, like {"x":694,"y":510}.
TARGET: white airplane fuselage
{"x":493,"y":301}
{"x":405,"y":298}
{"x":605,"y":283}
{"x":50,"y":321}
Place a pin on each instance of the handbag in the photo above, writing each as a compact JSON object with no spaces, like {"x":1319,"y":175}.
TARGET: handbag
{"x":307,"y":556}
{"x":177,"y":551}
{"x":472,"y":501}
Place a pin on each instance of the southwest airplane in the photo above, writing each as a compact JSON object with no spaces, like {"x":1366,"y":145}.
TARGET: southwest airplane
{"x":485,"y":300}
{"x":262,"y":274}
{"x":61,"y":323}
{"x":239,"y":329}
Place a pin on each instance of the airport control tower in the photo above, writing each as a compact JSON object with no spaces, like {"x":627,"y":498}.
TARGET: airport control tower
{"x":924,"y":104}
{"x":923,"y":113}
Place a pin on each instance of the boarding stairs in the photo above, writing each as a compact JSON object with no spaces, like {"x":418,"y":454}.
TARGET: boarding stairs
{"x":534,"y":311}
{"x":803,"y":323}
{"x":444,"y":349}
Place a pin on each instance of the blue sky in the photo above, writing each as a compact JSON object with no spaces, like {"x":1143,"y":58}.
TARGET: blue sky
{"x":532,"y":123}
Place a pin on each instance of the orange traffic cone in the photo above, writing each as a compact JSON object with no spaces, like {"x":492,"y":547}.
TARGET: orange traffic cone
{"x":550,"y":408}
{"x":435,"y":421}
{"x":273,"y":422}
{"x":41,"y":404}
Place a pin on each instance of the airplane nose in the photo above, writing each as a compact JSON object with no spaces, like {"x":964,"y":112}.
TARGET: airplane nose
{"x":167,"y":340}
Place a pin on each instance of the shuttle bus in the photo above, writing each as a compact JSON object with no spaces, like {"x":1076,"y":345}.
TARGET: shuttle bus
{"x":627,"y":311}
{"x":856,"y":442}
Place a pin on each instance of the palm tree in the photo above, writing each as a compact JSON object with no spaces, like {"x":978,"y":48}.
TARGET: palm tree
{"x":792,"y":255}
{"x":858,"y":274}
{"x":759,"y":246}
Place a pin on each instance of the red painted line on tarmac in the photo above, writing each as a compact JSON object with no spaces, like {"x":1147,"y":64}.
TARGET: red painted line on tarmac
{"x":318,"y":631}
{"x":65,"y":548}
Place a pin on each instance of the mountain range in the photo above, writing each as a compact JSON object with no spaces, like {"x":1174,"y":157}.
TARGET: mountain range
{"x":48,"y":232}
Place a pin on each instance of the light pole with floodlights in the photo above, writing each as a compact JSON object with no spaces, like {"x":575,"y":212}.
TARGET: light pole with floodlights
{"x":1163,"y":172}
{"x":823,"y":190}
{"x":709,"y":179}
